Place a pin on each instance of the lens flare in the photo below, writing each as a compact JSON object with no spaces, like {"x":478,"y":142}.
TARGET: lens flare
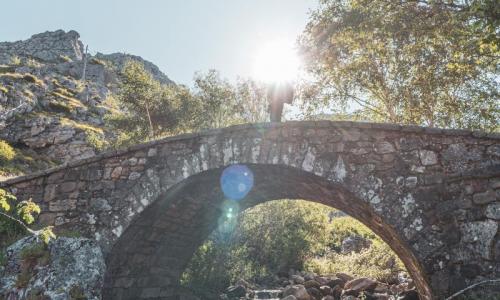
{"x":228,"y":219}
{"x":236,"y":182}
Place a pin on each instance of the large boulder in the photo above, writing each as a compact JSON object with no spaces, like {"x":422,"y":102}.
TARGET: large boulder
{"x":360,"y":284}
{"x":67,"y":268}
{"x":236,"y":291}
{"x":354,"y":243}
{"x":298,"y":291}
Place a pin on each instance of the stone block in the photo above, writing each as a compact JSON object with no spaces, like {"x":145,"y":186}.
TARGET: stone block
{"x":484,"y":198}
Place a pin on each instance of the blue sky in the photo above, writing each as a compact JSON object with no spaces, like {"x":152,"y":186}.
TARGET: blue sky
{"x":181,"y":36}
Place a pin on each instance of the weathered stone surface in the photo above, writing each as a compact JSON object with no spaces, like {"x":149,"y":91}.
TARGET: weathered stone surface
{"x":361,"y":284}
{"x":485,"y":197}
{"x":493,"y":211}
{"x":74,"y":265}
{"x":430,"y":195}
{"x":477,"y":238}
{"x":354,"y":243}
{"x":298,"y":291}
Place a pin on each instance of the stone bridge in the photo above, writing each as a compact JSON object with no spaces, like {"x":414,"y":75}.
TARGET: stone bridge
{"x":433,"y":195}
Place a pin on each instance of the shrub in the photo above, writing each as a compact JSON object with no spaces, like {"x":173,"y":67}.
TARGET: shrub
{"x":7,"y":153}
{"x":32,"y":63}
{"x":95,"y":140}
{"x":65,"y":58}
{"x":4,"y":89}
{"x":15,"y":60}
{"x":272,"y":238}
{"x":378,"y":261}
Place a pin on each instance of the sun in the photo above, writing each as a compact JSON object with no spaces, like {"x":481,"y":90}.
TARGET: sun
{"x":276,"y":62}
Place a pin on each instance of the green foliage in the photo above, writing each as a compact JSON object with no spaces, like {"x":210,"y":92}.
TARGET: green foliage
{"x":15,"y":223}
{"x":26,"y":210}
{"x":95,"y":140}
{"x":412,"y":62}
{"x":23,"y":161}
{"x":4,"y":89}
{"x":342,"y":227}
{"x":223,"y":104}
{"x":7,"y":153}
{"x":149,"y":109}
{"x":15,"y":60}
{"x":277,"y":236}
{"x":378,"y":261}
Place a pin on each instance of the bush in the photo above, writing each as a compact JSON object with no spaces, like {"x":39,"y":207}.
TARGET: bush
{"x":15,"y":60}
{"x":272,"y":238}
{"x":378,"y":261}
{"x":7,"y":153}
{"x":95,"y":140}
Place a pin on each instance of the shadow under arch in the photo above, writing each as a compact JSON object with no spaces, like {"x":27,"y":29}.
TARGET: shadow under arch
{"x":151,"y":255}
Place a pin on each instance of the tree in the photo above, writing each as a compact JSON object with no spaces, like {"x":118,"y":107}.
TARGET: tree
{"x":149,"y":109}
{"x":217,"y":99}
{"x":411,"y":62}
{"x":252,"y":98}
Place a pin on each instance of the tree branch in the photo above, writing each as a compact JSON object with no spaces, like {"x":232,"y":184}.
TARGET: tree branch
{"x":19,"y":222}
{"x":471,"y":287}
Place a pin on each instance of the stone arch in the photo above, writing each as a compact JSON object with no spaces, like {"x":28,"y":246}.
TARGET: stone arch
{"x":438,"y":189}
{"x":150,"y":256}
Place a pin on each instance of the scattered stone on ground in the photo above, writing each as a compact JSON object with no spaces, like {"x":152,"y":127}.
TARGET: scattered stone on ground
{"x":309,"y":286}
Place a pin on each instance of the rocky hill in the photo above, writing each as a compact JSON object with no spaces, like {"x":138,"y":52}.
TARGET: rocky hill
{"x":48,"y":113}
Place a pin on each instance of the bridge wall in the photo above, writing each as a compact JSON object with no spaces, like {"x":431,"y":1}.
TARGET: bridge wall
{"x":432,"y":194}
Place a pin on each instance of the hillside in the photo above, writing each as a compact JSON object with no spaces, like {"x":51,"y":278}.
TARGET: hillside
{"x":48,"y":113}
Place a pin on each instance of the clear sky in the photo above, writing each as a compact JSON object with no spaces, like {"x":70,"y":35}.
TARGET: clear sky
{"x":181,"y":36}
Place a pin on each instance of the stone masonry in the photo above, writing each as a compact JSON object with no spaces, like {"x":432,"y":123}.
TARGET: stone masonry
{"x":433,"y":195}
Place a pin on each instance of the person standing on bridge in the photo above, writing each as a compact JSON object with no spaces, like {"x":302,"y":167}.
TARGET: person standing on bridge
{"x":278,"y":94}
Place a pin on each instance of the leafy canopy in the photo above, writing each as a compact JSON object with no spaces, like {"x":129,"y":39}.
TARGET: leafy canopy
{"x":430,"y":63}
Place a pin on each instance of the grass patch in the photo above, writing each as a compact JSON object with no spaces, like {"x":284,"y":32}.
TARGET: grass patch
{"x":4,"y":89}
{"x":82,"y":126}
{"x":71,"y":101}
{"x":65,"y":58}
{"x":26,"y":77}
{"x":7,"y":69}
{"x":97,"y":61}
{"x":15,"y":60}
{"x":25,"y":161}
{"x":60,"y":107}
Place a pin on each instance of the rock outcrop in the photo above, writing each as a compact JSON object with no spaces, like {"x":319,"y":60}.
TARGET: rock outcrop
{"x":48,"y":46}
{"x":47,"y":112}
{"x":67,"y":268}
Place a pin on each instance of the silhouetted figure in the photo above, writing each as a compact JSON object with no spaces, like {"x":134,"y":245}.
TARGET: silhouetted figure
{"x":278,"y":95}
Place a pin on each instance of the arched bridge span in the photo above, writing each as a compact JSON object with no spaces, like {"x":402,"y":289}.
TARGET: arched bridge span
{"x":432,"y":194}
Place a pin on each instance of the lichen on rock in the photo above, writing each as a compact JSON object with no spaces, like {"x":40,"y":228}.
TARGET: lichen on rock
{"x":75,"y":266}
